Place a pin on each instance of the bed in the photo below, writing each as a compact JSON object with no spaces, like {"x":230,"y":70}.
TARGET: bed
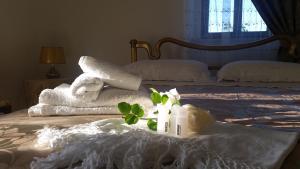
{"x":274,"y":106}
{"x":259,"y":104}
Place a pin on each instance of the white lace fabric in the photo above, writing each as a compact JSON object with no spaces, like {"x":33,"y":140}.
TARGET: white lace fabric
{"x":111,"y":144}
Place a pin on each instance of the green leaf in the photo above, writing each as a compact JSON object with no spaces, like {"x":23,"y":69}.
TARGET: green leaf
{"x":156,"y":112}
{"x":154,"y":90}
{"x":152,"y":124}
{"x":155,"y":97}
{"x":164,"y":99}
{"x":137,"y":110}
{"x":124,"y":108}
{"x":131,"y":119}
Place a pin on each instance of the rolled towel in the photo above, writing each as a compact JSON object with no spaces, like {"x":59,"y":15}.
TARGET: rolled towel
{"x":86,"y":87}
{"x":61,"y":96}
{"x":109,"y":73}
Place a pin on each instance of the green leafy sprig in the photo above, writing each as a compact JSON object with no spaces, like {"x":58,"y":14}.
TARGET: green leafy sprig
{"x":157,"y":98}
{"x":152,"y":124}
{"x":133,"y":113}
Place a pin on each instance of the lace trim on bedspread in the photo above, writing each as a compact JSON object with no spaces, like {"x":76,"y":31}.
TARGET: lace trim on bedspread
{"x":111,"y":144}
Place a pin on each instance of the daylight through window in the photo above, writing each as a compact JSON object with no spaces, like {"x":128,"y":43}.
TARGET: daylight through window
{"x":234,"y":16}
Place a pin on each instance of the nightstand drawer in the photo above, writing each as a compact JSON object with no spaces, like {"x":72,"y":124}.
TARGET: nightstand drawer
{"x":5,"y":107}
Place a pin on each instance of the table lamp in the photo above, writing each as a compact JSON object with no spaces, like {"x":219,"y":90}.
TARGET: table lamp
{"x":52,"y":55}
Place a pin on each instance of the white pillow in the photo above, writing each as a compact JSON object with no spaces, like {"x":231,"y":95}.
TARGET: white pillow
{"x":170,"y":70}
{"x":260,"y":71}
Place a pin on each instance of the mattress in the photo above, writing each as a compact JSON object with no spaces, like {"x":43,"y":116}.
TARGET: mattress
{"x":262,"y":105}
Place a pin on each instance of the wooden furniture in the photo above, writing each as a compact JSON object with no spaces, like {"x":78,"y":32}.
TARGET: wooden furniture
{"x":33,"y":88}
{"x":5,"y":107}
{"x":155,"y":52}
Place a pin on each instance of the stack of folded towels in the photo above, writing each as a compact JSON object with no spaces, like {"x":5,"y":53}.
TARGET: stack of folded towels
{"x":97,"y":90}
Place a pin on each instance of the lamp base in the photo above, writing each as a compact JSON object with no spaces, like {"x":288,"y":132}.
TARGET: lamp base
{"x":53,"y":73}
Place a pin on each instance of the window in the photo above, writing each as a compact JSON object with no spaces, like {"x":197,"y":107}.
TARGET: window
{"x":233,"y":17}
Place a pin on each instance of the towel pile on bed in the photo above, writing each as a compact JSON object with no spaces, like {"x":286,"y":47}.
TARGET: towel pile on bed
{"x":97,"y":90}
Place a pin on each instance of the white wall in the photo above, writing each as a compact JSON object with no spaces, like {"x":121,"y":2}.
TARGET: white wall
{"x":103,"y":28}
{"x":16,"y":55}
{"x":83,"y":27}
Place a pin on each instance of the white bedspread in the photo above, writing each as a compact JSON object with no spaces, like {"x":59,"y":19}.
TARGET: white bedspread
{"x":112,"y":144}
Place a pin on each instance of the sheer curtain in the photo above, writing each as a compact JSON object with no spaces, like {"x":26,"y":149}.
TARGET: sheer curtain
{"x":225,"y":22}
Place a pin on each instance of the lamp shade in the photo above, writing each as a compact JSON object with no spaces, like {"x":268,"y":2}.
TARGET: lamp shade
{"x":52,"y":55}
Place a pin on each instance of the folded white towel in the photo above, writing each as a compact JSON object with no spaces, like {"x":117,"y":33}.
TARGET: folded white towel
{"x":86,"y":87}
{"x":49,"y":110}
{"x":109,"y":73}
{"x":61,"y":96}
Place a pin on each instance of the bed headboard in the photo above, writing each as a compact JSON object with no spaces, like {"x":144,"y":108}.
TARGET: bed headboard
{"x":155,"y":52}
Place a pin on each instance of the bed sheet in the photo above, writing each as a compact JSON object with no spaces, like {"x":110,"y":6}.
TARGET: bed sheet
{"x":266,"y":107}
{"x":17,"y":136}
{"x":260,"y":106}
{"x":214,"y":82}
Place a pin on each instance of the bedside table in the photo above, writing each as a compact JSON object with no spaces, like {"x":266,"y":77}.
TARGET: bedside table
{"x":33,"y":88}
{"x":5,"y":107}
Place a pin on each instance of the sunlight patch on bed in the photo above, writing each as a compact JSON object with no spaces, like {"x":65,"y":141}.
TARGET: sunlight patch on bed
{"x":227,"y":96}
{"x":291,"y":113}
{"x":273,"y":117}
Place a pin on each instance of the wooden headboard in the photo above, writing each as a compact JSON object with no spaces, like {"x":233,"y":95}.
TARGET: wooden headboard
{"x":155,"y":52}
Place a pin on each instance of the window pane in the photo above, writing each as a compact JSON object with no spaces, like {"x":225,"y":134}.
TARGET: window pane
{"x":221,"y":16}
{"x":251,"y":20}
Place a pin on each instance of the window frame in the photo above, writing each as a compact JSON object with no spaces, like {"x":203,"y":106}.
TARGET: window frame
{"x":237,"y":24}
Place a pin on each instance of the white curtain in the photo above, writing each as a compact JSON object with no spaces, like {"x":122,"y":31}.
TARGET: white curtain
{"x":194,"y":28}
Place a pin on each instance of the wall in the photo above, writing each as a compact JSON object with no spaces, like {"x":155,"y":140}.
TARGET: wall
{"x":91,"y":27}
{"x":104,"y":28}
{"x":16,"y":55}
